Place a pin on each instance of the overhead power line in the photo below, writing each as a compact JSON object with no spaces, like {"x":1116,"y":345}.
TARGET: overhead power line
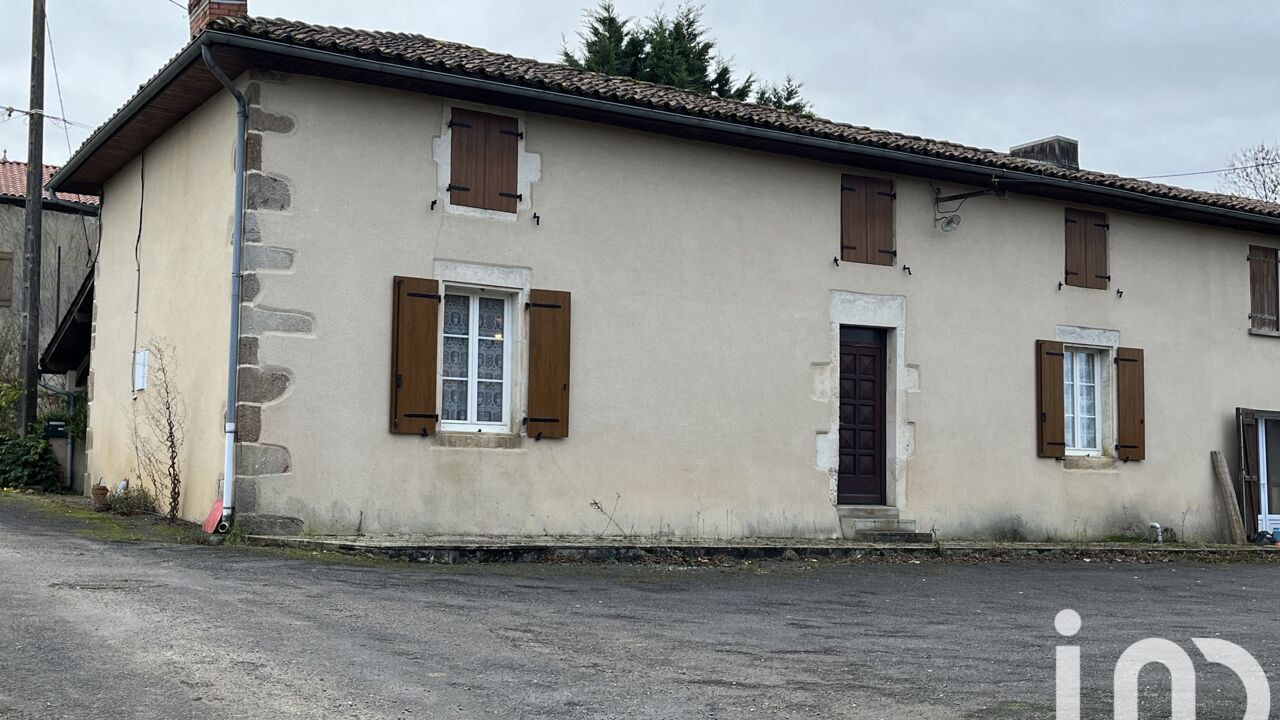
{"x":1211,"y":172}
{"x":10,"y":111}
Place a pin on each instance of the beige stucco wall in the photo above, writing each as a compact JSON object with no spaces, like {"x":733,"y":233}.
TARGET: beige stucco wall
{"x":185,"y":256}
{"x":702,"y":279}
{"x":61,"y":230}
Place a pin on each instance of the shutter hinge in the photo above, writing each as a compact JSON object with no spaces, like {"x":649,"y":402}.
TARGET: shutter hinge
{"x":1120,"y":360}
{"x":890,"y":195}
{"x":430,"y":296}
{"x":1069,"y":273}
{"x":458,"y":188}
{"x":848,"y":247}
{"x":429,"y":416}
{"x":1056,"y":444}
{"x":455,"y":123}
{"x":1259,"y":258}
{"x":1104,"y":226}
{"x":1054,"y":353}
{"x":1127,"y":447}
{"x":846,"y":188}
{"x":517,"y":196}
{"x":888,"y":252}
{"x":552,"y":306}
{"x":514,"y":133}
{"x":1103,"y":277}
{"x":1072,"y":220}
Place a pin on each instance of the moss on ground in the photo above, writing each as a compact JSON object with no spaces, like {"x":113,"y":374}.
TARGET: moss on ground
{"x":78,"y":516}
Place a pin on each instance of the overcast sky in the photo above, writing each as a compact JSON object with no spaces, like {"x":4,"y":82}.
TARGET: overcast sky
{"x":1148,"y":87}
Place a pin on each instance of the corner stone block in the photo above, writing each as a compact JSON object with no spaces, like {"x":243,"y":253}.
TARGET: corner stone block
{"x":267,"y":193}
{"x":260,"y":386}
{"x":257,"y":459}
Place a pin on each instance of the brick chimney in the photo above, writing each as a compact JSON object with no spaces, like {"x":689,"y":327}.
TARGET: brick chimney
{"x":203,"y":12}
{"x":1056,"y":150}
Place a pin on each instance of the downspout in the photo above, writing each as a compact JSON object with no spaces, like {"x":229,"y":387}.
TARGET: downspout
{"x":233,"y":341}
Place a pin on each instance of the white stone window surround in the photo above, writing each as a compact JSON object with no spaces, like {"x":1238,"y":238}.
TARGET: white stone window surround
{"x":1104,"y":342}
{"x":528,"y":165}
{"x":877,"y":311}
{"x":515,"y":281}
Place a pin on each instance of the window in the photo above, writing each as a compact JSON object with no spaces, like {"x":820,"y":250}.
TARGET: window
{"x":483,"y":160}
{"x":1264,"y":291}
{"x":1086,"y":249}
{"x":476,"y":359}
{"x":452,"y":359}
{"x":866,"y":220}
{"x":1081,"y":378}
{"x":6,"y":279}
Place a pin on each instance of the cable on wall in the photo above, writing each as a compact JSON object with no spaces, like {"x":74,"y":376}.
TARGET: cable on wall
{"x":137,"y":261}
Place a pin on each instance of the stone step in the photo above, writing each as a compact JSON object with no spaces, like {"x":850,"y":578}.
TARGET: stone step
{"x":895,"y":536}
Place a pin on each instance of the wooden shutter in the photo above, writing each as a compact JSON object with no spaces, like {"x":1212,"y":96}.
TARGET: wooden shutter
{"x":853,"y":219}
{"x":502,"y":145}
{"x":1076,"y":267}
{"x":1086,"y":236}
{"x":1264,"y":290}
{"x":6,"y":278}
{"x":548,"y":411}
{"x":1248,"y":485}
{"x":467,"y":158}
{"x":880,"y":196}
{"x":1131,"y":414}
{"x":1095,"y":251}
{"x":415,"y":332}
{"x":1051,"y":432}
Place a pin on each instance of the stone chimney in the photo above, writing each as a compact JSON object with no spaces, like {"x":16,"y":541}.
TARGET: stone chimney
{"x":203,"y":12}
{"x":1056,"y":150}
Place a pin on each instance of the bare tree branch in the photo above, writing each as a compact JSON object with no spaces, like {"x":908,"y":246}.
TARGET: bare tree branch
{"x":1254,"y":172}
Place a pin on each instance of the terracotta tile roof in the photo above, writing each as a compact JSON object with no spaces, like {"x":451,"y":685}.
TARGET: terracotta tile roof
{"x":13,"y":182}
{"x":417,"y":50}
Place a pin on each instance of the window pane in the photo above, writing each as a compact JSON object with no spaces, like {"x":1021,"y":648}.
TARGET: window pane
{"x":455,"y":357}
{"x":1087,"y":401}
{"x":488,"y":401}
{"x":491,"y":310}
{"x":457,"y":314}
{"x":1085,"y":362}
{"x":489,"y":360}
{"x":1088,"y":433}
{"x":455,"y":400}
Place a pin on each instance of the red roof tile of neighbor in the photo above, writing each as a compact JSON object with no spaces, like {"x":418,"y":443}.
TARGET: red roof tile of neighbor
{"x":417,"y":50}
{"x":13,"y":181}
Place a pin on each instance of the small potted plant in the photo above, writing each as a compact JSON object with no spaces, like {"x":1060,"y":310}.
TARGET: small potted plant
{"x":99,"y":493}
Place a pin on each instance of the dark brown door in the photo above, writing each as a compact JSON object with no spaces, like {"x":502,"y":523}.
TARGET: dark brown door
{"x":862,"y":417}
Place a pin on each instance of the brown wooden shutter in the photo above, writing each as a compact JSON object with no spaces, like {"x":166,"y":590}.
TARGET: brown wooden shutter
{"x":853,"y":218}
{"x":1076,"y":266}
{"x":467,"y":158}
{"x":1264,"y":289}
{"x":502,"y":145}
{"x":6,"y":278}
{"x":1051,"y":432}
{"x":1131,"y":413}
{"x":1248,"y":485}
{"x":880,"y":196}
{"x":548,"y":412}
{"x":1095,"y":251}
{"x":415,"y":332}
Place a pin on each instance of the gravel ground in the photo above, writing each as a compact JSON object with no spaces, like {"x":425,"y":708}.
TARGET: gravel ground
{"x":92,"y":628}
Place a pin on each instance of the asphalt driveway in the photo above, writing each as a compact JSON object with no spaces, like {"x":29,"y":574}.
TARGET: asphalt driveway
{"x":92,"y":628}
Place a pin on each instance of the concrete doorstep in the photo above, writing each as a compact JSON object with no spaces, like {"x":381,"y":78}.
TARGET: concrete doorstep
{"x":462,"y":549}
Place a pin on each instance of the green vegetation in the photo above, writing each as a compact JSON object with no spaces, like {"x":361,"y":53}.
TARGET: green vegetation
{"x":130,"y":501}
{"x":671,"y":50}
{"x":29,"y":463}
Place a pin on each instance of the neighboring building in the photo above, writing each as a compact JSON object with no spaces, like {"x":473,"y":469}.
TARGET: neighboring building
{"x":70,"y":235}
{"x":779,"y":327}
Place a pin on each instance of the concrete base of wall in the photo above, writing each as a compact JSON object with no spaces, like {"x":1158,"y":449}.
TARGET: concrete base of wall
{"x":856,"y":521}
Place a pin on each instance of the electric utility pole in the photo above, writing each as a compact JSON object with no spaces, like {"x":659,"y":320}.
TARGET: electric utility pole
{"x":35,"y":214}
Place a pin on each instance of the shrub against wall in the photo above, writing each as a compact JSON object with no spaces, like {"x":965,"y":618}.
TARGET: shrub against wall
{"x":29,"y":463}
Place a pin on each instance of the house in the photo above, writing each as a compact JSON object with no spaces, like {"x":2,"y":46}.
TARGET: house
{"x":70,"y":235}
{"x":487,"y":295}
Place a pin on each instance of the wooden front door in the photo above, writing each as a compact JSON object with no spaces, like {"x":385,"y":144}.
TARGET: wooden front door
{"x":861,"y":473}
